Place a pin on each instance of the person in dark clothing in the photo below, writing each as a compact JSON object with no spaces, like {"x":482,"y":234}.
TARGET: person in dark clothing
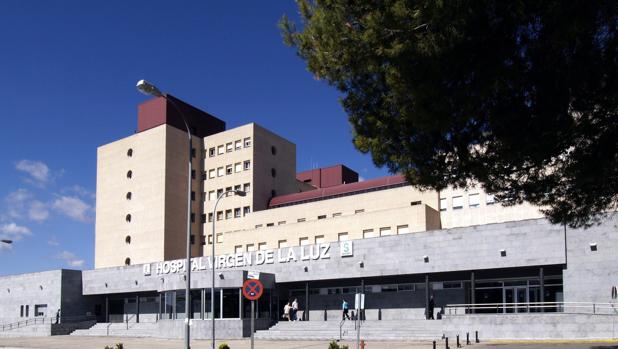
{"x":346,"y":308}
{"x":58,"y":316}
{"x":430,"y":308}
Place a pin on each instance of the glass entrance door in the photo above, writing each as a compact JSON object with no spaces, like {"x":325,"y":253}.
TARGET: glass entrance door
{"x":515,"y":300}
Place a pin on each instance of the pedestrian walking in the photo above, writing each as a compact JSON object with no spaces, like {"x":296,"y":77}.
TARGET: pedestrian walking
{"x":58,"y":316}
{"x":286,"y":311}
{"x":346,"y":308}
{"x":430,"y":308}
{"x":295,"y":310}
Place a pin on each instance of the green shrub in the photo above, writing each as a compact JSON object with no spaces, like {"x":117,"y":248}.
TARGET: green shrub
{"x":108,"y":347}
{"x":344,"y":347}
{"x":333,"y":345}
{"x":224,"y":346}
{"x":119,"y":346}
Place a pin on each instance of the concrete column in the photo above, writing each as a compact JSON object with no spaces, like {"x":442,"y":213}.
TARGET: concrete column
{"x":472,"y":291}
{"x":426,"y":296}
{"x":106,"y":309}
{"x":306,"y":302}
{"x":160,"y":315}
{"x":174,"y":305}
{"x":137,"y":308}
{"x":221,"y":303}
{"x":542,"y":287}
{"x":202,"y":303}
{"x":240,"y":313}
{"x":362,"y":311}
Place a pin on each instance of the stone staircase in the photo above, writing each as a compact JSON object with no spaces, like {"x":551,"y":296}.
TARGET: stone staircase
{"x":142,"y":329}
{"x":385,"y":330}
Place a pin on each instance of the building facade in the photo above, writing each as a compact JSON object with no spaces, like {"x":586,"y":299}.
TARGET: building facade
{"x":318,"y":236}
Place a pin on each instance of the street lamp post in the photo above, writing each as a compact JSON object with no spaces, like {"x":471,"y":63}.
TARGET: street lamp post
{"x":148,"y":89}
{"x":213,"y":242}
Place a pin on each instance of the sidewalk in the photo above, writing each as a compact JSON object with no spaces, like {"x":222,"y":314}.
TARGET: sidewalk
{"x":75,"y":342}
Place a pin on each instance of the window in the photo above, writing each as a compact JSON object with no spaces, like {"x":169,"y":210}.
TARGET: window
{"x":389,"y":288}
{"x":403,"y":229}
{"x":343,"y":237}
{"x":219,"y":215}
{"x":21,"y":311}
{"x":192,"y":152}
{"x":238,"y":144}
{"x":282,"y":243}
{"x":273,"y":172}
{"x":237,"y":212}
{"x":210,"y":217}
{"x":192,"y":239}
{"x":127,"y":261}
{"x":220,"y":171}
{"x":192,"y":196}
{"x":128,"y":217}
{"x":238,"y":249}
{"x":270,"y":224}
{"x":130,"y":152}
{"x":211,"y":152}
{"x":238,"y":167}
{"x":261,"y":246}
{"x":281,"y":223}
{"x":210,"y":239}
{"x":319,"y":239}
{"x":192,"y":174}
{"x":211,"y":195}
{"x":385,"y":231}
{"x":257,"y":226}
{"x":127,"y":240}
{"x":228,"y":214}
{"x":228,"y":188}
{"x":192,"y":217}
{"x":246,"y":187}
{"x":473,"y":200}
{"x":129,"y":195}
{"x":229,"y":147}
{"x":203,"y":217}
{"x":303,"y":241}
{"x":300,"y":220}
{"x":220,"y":150}
{"x":211,"y":173}
{"x":228,"y":170}
{"x":250,"y":247}
{"x":247,"y":142}
{"x":237,"y":187}
{"x":322,"y":216}
{"x":457,"y":202}
{"x":219,"y":192}
{"x":415,"y":203}
{"x":359,"y":211}
{"x":27,"y":310}
{"x":337,"y":214}
{"x":129,"y":174}
{"x":39,"y":309}
{"x":273,"y":150}
{"x":443,"y":204}
{"x":490,"y":199}
{"x":368,"y":233}
{"x":219,"y":238}
{"x":204,"y":175}
{"x":451,"y":284}
{"x":247,"y":165}
{"x":246,"y":210}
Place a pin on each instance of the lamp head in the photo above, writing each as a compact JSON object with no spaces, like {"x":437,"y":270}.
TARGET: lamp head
{"x":240,"y":193}
{"x":148,"y":89}
{"x":7,"y":241}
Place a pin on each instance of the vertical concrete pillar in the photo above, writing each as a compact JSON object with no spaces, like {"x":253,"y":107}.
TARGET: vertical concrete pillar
{"x":306,"y":312}
{"x":160,"y":315}
{"x":542,"y":287}
{"x":202,"y":303}
{"x":137,"y":308}
{"x":426,"y":296}
{"x":240,"y":311}
{"x":472,"y":291}
{"x":362,"y":311}
{"x":174,"y":305}
{"x":106,"y":309}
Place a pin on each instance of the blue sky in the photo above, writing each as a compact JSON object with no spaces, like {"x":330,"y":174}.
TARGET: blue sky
{"x":67,"y":85}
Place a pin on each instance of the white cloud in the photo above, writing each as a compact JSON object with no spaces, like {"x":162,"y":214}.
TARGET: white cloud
{"x":73,"y":208}
{"x":70,"y":258}
{"x":13,"y":229}
{"x":16,"y":203}
{"x":53,"y":241}
{"x":80,"y":191}
{"x":38,"y":171}
{"x":38,"y":211}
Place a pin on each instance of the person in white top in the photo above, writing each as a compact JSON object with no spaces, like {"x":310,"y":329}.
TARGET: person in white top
{"x":295,"y":310}
{"x":286,"y":311}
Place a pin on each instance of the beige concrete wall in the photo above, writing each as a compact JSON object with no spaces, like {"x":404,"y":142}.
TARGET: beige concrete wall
{"x":484,"y":213}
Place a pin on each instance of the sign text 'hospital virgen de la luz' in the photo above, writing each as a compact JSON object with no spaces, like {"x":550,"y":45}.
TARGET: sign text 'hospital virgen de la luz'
{"x":242,"y":259}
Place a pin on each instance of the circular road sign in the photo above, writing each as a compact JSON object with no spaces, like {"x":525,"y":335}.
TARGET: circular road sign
{"x":252,"y":289}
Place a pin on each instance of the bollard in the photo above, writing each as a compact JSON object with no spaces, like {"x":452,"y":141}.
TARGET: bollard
{"x":477,"y":336}
{"x":458,"y":345}
{"x":362,"y":344}
{"x":467,"y":338}
{"x":447,"y":343}
{"x":434,"y":344}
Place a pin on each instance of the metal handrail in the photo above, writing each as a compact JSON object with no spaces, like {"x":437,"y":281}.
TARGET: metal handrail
{"x":341,"y":328}
{"x":558,"y":306}
{"x":42,"y":320}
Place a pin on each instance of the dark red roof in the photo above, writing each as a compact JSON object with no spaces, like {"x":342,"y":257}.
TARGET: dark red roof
{"x":323,"y":193}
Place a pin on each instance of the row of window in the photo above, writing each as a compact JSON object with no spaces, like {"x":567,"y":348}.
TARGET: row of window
{"x":300,"y":220}
{"x":39,"y":310}
{"x":319,"y":239}
{"x":404,"y":287}
{"x":214,"y":194}
{"x":227,"y":214}
{"x":473,"y":201}
{"x":227,"y":170}
{"x":229,"y":147}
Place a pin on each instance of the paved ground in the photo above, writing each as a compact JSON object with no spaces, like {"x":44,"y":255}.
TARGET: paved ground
{"x":74,"y":342}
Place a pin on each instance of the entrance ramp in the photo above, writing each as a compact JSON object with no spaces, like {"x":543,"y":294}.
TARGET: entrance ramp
{"x":375,"y":330}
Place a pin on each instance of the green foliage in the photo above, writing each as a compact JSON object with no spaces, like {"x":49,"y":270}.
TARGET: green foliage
{"x":108,"y":347}
{"x":519,"y":96}
{"x":333,"y":345}
{"x":224,"y":346}
{"x":119,"y":346}
{"x":343,"y":347}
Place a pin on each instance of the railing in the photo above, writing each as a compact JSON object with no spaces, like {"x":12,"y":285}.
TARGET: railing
{"x":341,"y":329}
{"x":44,"y":320}
{"x":533,"y":307}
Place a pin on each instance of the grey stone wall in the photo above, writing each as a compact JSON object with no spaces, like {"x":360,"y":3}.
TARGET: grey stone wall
{"x":201,"y":329}
{"x":29,"y":289}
